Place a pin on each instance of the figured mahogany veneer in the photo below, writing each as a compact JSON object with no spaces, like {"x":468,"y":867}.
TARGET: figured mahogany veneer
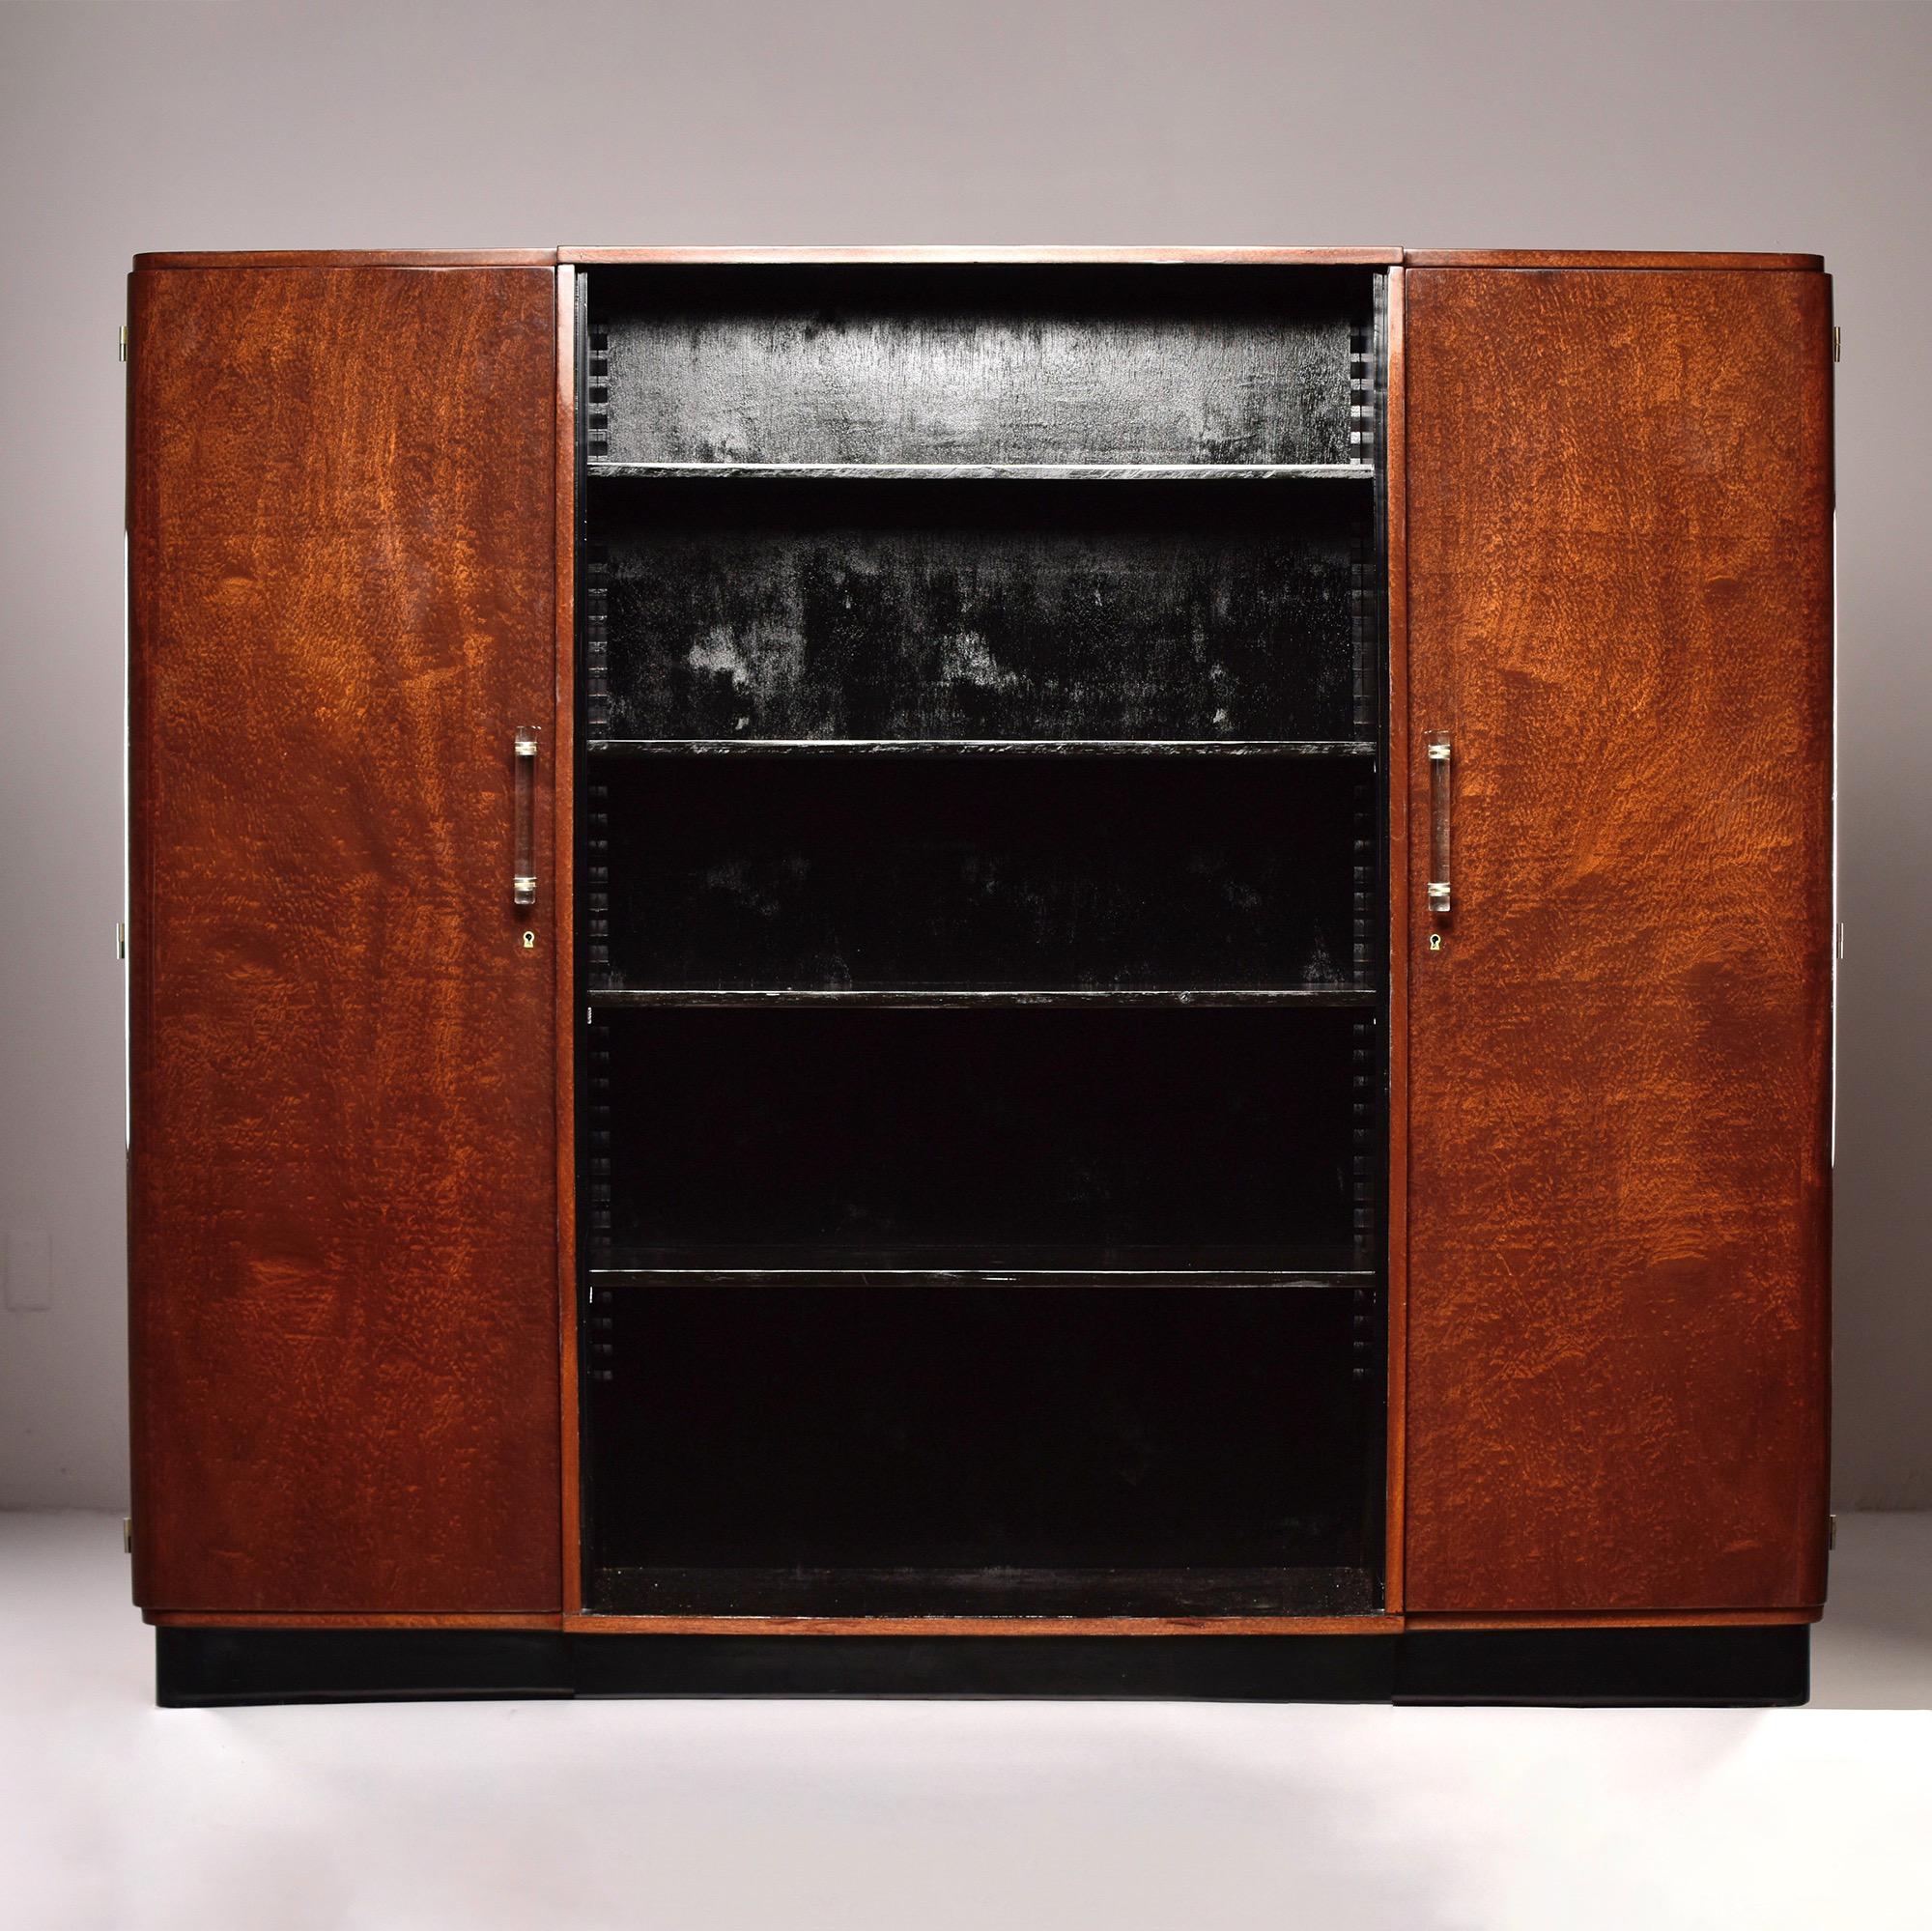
{"x":1619,"y":545}
{"x":343,"y":1194}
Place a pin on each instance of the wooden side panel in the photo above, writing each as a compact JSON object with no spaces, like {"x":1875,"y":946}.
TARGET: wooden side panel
{"x":343,"y":1186}
{"x":1620,"y":605}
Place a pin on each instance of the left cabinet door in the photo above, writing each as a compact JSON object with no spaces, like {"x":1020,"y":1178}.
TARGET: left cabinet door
{"x":343,"y":1196}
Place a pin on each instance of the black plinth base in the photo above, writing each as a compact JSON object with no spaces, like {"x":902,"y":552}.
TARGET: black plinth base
{"x":1681,"y":1666}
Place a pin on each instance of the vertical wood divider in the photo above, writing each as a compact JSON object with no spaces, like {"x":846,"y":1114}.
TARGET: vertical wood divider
{"x":1396,"y":495}
{"x":563,"y":908}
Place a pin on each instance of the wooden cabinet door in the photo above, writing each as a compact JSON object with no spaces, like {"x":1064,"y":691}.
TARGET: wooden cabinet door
{"x":343,"y":1199}
{"x":1619,"y":535}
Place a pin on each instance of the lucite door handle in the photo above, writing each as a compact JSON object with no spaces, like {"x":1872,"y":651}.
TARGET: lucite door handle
{"x":1437,"y":744}
{"x":524,"y":876}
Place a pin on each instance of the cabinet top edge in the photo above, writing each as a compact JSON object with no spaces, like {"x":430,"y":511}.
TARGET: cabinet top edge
{"x":1368,"y":257}
{"x":939,"y":255}
{"x":1603,"y":258}
{"x":964,"y":256}
{"x":352,"y":257}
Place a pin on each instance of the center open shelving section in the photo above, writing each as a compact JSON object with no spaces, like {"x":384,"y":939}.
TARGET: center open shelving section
{"x":981,"y":940}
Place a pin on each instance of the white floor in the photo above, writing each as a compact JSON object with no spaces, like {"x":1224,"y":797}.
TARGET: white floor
{"x":927,"y":1816}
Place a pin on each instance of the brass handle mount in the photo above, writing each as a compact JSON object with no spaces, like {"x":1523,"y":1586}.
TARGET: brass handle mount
{"x":1437,"y":744}
{"x":524,"y":873}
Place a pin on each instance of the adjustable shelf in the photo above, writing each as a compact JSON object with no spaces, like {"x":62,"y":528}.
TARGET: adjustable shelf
{"x":1313,"y":747}
{"x":1307,"y":997}
{"x":627,"y":1271}
{"x":602,"y":468}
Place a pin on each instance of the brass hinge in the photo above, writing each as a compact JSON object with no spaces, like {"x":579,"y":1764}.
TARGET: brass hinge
{"x":1830,"y":1531}
{"x":121,"y":940}
{"x":124,"y":341}
{"x":1836,"y":344}
{"x":127,"y":1535}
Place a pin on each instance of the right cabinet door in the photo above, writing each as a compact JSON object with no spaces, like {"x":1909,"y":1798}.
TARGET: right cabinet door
{"x":1619,"y":540}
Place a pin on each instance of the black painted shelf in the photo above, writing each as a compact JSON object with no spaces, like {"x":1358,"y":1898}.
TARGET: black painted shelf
{"x":1363,"y":749}
{"x":606,"y":469}
{"x":1288,"y":996}
{"x":616,"y":1271}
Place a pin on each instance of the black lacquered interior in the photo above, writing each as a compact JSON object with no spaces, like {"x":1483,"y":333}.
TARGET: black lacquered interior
{"x":1009,"y":872}
{"x":1118,"y":363}
{"x":830,"y":1448}
{"x":983,"y":609}
{"x":1013,"y":1136}
{"x":981,"y":942}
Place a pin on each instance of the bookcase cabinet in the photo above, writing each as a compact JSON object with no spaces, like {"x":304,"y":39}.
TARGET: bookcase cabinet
{"x":1101,"y":972}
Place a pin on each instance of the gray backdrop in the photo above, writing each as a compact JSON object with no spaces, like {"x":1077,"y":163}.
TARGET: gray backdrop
{"x":242,"y":125}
